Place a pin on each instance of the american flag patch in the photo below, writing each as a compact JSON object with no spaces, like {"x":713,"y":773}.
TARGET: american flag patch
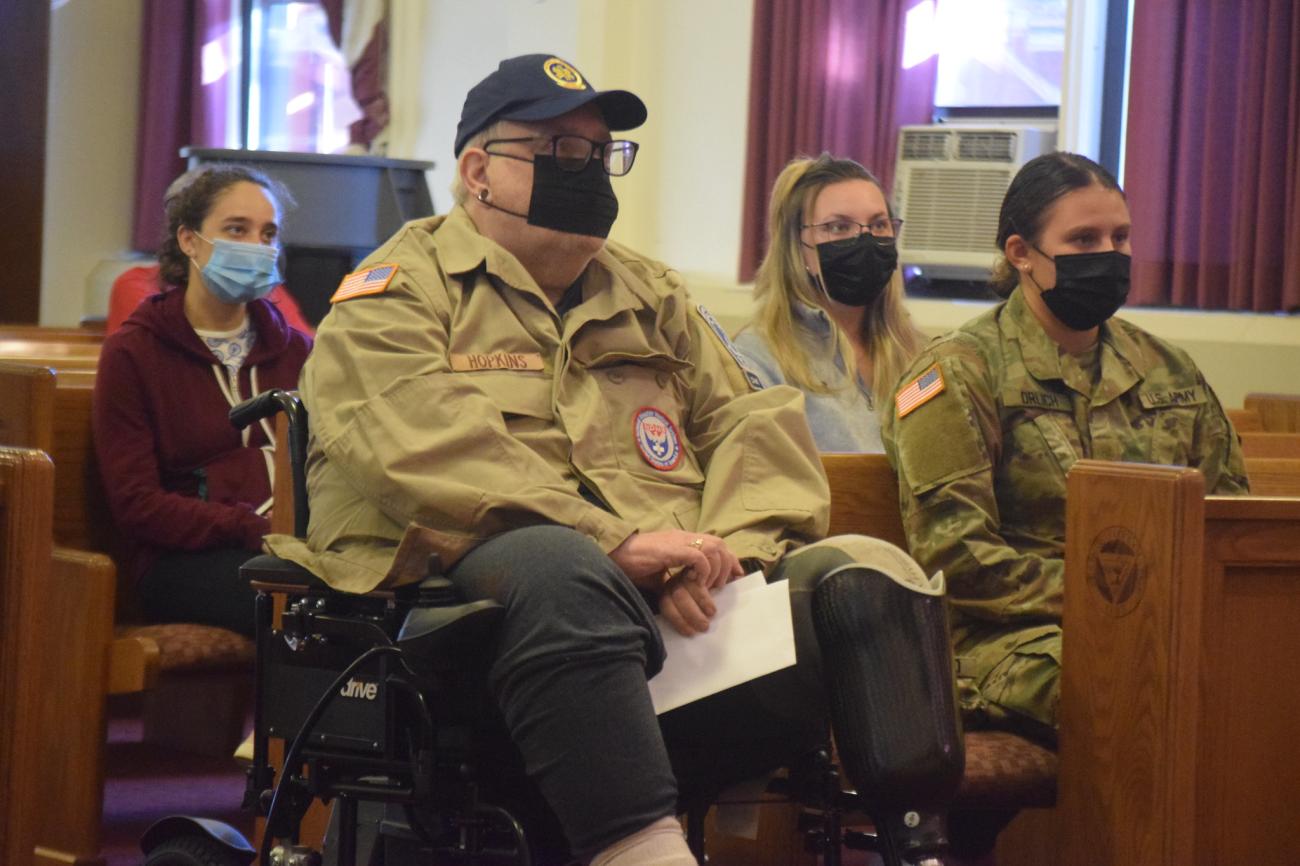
{"x":371,"y":281}
{"x":925,"y":386}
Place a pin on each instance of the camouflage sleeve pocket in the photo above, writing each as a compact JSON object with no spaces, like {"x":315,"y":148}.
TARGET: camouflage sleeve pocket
{"x":938,"y":441}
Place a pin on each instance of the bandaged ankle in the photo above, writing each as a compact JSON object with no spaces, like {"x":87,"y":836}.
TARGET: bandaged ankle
{"x":660,"y":844}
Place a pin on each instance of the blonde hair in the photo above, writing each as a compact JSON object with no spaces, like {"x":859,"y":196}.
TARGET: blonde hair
{"x":887,"y":330}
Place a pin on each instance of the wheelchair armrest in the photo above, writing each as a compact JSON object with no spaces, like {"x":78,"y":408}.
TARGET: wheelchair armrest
{"x":273,"y":574}
{"x":451,"y":637}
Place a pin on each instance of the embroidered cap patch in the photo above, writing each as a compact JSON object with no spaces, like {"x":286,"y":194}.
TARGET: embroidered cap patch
{"x":371,"y":281}
{"x":657,"y":439}
{"x":923,"y":388}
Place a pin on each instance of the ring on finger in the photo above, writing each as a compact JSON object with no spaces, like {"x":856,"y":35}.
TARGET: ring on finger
{"x":698,"y":543}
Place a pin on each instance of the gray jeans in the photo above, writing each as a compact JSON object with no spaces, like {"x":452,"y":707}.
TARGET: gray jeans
{"x":577,"y":645}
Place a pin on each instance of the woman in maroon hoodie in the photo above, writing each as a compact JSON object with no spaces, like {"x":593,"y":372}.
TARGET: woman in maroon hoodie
{"x":189,"y":493}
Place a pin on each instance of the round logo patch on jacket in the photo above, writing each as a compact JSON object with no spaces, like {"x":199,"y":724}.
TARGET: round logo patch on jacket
{"x":657,"y":439}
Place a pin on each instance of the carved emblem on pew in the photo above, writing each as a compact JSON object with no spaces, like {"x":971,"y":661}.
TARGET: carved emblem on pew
{"x":1117,"y":569}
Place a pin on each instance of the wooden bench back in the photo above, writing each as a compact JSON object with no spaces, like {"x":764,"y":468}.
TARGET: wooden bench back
{"x":26,"y":512}
{"x":1273,"y":476}
{"x":83,"y":519}
{"x":1264,"y":444}
{"x":39,"y":333}
{"x":1178,"y":691}
{"x":1280,"y":412}
{"x":864,"y":496}
{"x":26,"y":406}
{"x":1245,"y":420}
{"x":53,"y":412}
{"x":22,"y":347}
{"x":56,"y":630}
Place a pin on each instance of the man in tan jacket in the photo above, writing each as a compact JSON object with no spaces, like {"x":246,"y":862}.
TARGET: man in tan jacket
{"x":551,"y":416}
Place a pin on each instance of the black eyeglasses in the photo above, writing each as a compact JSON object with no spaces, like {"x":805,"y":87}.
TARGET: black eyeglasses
{"x":573,"y":152}
{"x":846,"y":229}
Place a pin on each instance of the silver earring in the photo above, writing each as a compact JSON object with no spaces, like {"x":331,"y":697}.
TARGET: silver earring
{"x":483,"y":195}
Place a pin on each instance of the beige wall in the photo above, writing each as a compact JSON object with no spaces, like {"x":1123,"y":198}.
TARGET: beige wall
{"x":688,"y":60}
{"x":90,"y":155}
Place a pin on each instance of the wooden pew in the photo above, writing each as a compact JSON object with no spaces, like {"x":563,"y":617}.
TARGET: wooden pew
{"x":864,"y":497}
{"x":59,"y":348}
{"x":1264,"y":444}
{"x":1273,"y":476}
{"x":1280,"y":412}
{"x":26,"y":512}
{"x":84,"y":522}
{"x":78,"y":352}
{"x":195,"y":678}
{"x":52,"y":724}
{"x":1179,"y":691}
{"x":196,"y":699}
{"x":39,"y":333}
{"x":1245,"y":420}
{"x":1170,"y":751}
{"x":27,"y":406}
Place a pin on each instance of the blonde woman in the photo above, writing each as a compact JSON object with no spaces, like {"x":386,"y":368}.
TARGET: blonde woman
{"x":830,"y":318}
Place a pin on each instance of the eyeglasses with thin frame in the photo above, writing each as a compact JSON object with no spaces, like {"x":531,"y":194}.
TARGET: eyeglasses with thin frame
{"x":841,"y":229}
{"x":573,"y":152}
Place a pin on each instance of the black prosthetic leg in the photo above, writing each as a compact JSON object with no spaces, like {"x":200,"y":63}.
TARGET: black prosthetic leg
{"x":883,"y":633}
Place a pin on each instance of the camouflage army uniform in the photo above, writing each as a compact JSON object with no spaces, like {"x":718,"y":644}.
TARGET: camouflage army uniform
{"x":981,"y":461}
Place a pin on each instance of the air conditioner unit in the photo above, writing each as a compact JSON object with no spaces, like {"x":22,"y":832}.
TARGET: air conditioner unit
{"x":949,"y":185}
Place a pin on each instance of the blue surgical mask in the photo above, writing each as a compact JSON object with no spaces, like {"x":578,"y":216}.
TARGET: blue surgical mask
{"x":239,"y":272}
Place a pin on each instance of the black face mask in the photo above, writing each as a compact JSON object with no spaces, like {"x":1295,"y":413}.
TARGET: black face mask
{"x":1089,"y":288}
{"x":576,"y":202}
{"x":855,"y":271}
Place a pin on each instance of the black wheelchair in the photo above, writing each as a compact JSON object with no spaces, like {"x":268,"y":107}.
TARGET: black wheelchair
{"x":382,"y":702}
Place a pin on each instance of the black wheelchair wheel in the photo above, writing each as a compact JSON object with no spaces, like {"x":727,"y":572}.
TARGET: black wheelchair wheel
{"x":193,"y":851}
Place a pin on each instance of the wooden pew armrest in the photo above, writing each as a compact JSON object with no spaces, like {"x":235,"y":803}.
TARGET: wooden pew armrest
{"x":133,"y":665}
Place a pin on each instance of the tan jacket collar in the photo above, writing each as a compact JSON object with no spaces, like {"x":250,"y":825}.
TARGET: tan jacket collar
{"x":461,"y":249}
{"x":608,"y":287}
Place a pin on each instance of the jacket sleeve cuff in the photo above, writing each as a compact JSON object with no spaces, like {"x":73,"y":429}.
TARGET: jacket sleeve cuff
{"x":607,"y":530}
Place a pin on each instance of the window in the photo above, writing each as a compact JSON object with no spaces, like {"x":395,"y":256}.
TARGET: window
{"x":999,"y":53}
{"x":1002,"y":64}
{"x":293,"y":94}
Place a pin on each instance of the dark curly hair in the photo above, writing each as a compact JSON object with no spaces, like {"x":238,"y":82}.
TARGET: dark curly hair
{"x":1034,"y":189}
{"x":189,"y":200}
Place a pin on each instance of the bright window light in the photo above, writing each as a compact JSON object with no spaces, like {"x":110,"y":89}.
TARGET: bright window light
{"x":300,"y":87}
{"x":301,"y":102}
{"x":921,"y":37}
{"x":999,"y":53}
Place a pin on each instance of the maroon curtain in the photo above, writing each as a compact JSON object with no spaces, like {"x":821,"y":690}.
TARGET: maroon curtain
{"x":1213,"y":154}
{"x":176,"y":107}
{"x":826,"y":75}
{"x":369,"y":76}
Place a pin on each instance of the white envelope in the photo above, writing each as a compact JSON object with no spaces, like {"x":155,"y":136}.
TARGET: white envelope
{"x":751,"y":635}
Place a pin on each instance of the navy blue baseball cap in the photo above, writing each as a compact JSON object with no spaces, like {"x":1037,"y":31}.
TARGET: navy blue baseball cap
{"x":540,"y":87}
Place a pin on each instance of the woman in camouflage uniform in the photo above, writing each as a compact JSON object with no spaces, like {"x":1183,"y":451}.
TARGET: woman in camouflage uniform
{"x":990,"y":417}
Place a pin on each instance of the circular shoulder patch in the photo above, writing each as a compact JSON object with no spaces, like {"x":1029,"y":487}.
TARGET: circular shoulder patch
{"x":657,"y":439}
{"x":563,"y":74}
